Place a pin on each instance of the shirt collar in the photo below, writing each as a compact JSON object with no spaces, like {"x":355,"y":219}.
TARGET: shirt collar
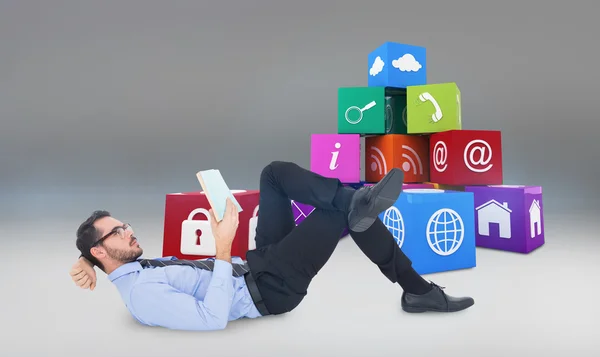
{"x":124,"y":270}
{"x":131,"y":267}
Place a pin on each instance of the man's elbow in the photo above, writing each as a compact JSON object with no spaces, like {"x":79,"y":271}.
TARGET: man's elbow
{"x":212,"y":323}
{"x":215,"y":325}
{"x":216,"y":319}
{"x":221,"y":325}
{"x":186,"y":324}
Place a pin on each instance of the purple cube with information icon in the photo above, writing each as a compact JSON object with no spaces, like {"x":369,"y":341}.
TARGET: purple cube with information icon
{"x":508,"y":217}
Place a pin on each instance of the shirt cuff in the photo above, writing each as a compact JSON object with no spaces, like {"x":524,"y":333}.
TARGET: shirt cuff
{"x":222,"y":269}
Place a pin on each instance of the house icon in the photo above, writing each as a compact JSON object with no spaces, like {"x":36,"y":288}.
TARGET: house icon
{"x":535,"y":218}
{"x":494,"y":212}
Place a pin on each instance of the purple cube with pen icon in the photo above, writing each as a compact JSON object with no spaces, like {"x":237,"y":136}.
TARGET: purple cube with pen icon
{"x":302,"y":210}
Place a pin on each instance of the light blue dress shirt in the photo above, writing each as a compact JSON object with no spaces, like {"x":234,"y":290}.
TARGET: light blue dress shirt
{"x":182,"y":297}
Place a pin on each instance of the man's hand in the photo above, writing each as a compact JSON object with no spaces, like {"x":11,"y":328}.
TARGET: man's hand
{"x":83,"y":274}
{"x":224,"y":231}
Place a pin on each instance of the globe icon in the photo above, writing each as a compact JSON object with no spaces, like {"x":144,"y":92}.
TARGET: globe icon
{"x":395,"y":224}
{"x":445,"y":231}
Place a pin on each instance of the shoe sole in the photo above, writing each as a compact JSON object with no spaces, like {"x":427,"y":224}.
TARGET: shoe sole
{"x":386,"y":195}
{"x":411,"y":309}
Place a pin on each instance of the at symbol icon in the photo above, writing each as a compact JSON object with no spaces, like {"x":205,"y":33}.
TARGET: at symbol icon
{"x":440,"y":156}
{"x":483,"y":157}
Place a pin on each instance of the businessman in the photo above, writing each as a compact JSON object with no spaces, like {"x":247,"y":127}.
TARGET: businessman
{"x":207,"y":294}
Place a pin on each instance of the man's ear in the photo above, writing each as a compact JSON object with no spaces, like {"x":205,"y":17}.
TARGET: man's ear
{"x":98,"y":252}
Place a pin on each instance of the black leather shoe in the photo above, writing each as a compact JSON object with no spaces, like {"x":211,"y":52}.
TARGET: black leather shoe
{"x":435,"y":300}
{"x":368,"y":202}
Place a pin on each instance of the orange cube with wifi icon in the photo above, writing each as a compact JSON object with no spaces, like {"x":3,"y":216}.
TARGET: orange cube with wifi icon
{"x":407,"y":152}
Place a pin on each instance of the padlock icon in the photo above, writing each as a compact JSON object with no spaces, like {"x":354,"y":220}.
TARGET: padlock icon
{"x":196,"y":235}
{"x":252,"y":229}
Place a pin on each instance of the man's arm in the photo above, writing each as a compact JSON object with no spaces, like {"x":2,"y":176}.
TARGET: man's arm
{"x":163,"y":305}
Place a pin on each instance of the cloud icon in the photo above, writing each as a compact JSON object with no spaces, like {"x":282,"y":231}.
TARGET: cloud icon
{"x":377,"y":66}
{"x":407,"y":63}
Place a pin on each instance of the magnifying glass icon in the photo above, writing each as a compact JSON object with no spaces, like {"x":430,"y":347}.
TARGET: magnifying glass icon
{"x":354,"y":114}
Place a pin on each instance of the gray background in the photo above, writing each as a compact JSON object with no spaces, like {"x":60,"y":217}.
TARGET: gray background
{"x":112,"y":104}
{"x":131,"y":97}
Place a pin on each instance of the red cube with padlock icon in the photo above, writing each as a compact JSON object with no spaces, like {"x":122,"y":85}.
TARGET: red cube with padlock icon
{"x":187,"y":231}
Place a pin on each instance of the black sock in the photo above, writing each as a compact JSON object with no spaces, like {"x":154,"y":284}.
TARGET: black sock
{"x":413,"y":283}
{"x":343,"y":197}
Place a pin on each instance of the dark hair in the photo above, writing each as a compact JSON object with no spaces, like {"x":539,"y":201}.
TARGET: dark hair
{"x":87,"y":235}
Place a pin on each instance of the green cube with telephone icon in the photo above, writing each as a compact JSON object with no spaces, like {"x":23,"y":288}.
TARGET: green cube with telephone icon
{"x":433,"y":108}
{"x":371,"y":110}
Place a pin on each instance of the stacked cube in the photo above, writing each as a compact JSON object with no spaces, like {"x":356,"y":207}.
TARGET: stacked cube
{"x":187,"y":230}
{"x":454,"y":199}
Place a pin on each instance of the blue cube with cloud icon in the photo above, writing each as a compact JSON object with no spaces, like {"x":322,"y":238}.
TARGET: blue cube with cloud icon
{"x":434,"y":228}
{"x":397,"y":65}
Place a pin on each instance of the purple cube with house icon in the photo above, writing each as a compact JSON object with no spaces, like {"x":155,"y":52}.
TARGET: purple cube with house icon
{"x":508,"y":217}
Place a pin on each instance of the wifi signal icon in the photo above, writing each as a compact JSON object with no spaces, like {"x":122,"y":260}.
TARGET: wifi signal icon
{"x":378,"y":163}
{"x":410,"y":160}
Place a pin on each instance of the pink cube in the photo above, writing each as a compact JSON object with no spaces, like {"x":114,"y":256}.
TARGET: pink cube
{"x":336,"y":156}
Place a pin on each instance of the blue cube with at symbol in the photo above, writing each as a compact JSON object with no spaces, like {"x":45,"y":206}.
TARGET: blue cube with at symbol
{"x":434,"y":228}
{"x":397,"y":65}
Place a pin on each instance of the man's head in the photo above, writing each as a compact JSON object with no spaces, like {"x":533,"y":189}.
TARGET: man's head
{"x":107,"y":242}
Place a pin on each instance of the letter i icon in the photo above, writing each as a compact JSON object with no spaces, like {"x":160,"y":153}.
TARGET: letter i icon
{"x":334,"y":155}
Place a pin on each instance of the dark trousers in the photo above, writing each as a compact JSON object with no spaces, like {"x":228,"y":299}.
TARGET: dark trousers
{"x":287,"y":257}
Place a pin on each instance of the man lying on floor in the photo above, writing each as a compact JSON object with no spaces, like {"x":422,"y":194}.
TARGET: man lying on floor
{"x":207,"y":294}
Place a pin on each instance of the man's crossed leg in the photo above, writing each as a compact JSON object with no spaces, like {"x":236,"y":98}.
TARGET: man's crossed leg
{"x":287,"y":257}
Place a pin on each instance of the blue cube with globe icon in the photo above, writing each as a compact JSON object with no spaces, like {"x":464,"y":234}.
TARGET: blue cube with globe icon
{"x":434,"y":228}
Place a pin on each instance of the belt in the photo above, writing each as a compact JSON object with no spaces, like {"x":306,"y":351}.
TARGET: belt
{"x":255,"y":294}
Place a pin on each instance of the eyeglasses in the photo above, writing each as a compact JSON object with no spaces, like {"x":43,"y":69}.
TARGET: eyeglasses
{"x":120,"y":231}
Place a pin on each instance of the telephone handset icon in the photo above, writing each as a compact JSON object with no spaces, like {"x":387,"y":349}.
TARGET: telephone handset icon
{"x":438,"y":111}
